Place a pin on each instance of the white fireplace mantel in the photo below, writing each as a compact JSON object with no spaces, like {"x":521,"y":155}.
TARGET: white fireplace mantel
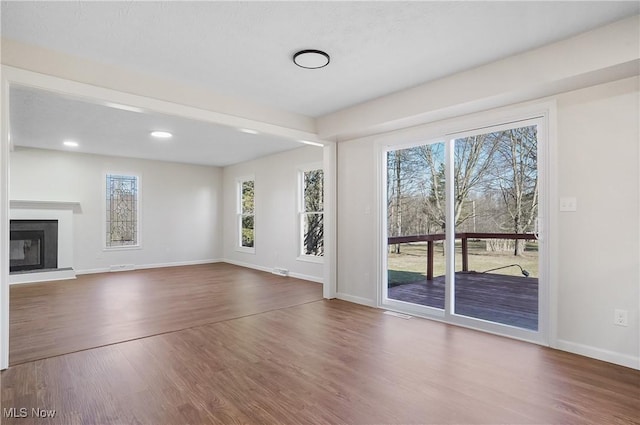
{"x":63,"y":212}
{"x":45,"y":205}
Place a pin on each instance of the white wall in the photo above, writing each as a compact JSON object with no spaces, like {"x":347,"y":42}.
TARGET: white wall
{"x":276,"y":220}
{"x":599,"y":264}
{"x":598,"y":256}
{"x":180,"y":205}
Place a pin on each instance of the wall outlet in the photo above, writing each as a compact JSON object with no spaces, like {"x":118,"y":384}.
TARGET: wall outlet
{"x":620,"y":317}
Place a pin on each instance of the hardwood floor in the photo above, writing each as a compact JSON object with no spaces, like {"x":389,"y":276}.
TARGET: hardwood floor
{"x":53,"y":318}
{"x":320,"y":362}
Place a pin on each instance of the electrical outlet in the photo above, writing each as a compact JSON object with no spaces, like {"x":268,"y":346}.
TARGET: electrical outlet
{"x":620,"y":317}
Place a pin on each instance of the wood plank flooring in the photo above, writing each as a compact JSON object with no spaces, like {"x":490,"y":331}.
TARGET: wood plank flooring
{"x":317,"y":362}
{"x":53,"y":318}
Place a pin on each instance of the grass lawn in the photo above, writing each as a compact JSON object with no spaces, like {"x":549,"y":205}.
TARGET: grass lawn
{"x":411,"y":264}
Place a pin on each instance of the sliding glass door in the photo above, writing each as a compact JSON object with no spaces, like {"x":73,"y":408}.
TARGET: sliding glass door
{"x":461,"y":224}
{"x":416,"y":217}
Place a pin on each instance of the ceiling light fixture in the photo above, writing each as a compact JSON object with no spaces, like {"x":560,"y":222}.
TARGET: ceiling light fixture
{"x":161,"y":134}
{"x":70,"y":143}
{"x":124,"y":107}
{"x":248,"y":131}
{"x":311,"y":59}
{"x":307,"y":142}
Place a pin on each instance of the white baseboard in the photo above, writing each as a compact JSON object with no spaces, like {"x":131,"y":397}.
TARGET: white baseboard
{"x":18,"y":279}
{"x":93,"y":271}
{"x":177,"y":264}
{"x":152,"y":266}
{"x":269,"y":270}
{"x":306,"y":277}
{"x":357,"y":300}
{"x":599,"y":354}
{"x":247,"y":265}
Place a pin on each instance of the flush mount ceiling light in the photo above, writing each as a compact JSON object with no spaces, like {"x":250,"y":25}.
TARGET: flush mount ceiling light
{"x":311,"y":59}
{"x":161,"y":134}
{"x":70,"y":143}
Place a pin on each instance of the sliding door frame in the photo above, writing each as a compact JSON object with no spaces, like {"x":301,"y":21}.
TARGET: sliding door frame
{"x":541,"y":114}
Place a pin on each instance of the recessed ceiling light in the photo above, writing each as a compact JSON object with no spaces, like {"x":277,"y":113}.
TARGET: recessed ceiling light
{"x":248,"y":131}
{"x":307,"y":142}
{"x":124,"y":107}
{"x":311,"y":59}
{"x":161,"y":134}
{"x":70,"y":143}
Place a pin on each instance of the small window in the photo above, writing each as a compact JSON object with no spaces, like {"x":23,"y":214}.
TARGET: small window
{"x":246,"y":218}
{"x":312,"y":213}
{"x":122,"y":211}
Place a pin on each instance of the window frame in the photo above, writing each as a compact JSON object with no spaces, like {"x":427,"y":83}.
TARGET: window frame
{"x":240,"y":215}
{"x":138,"y":203}
{"x":302,"y":213}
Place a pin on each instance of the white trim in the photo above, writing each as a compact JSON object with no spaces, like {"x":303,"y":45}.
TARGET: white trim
{"x":4,"y":221}
{"x":247,"y":265}
{"x":306,"y":277}
{"x":269,"y":270}
{"x":600,"y":354}
{"x":25,"y":278}
{"x":152,"y":266}
{"x":552,"y":220}
{"x":45,"y":205}
{"x":356,"y":300}
{"x":329,"y":165}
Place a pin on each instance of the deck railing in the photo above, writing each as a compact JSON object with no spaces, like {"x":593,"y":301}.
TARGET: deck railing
{"x":393,"y":240}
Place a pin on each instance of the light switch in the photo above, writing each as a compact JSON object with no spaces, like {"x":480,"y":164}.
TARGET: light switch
{"x":568,"y":204}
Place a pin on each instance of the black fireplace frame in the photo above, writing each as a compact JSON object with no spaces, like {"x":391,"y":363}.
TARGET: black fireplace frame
{"x":48,"y":230}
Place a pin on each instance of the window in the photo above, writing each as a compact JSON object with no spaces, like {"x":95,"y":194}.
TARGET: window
{"x":122,"y":211}
{"x":246,"y":219}
{"x":311,"y":213}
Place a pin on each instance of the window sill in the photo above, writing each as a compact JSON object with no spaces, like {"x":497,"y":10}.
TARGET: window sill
{"x":246,"y":250}
{"x":122,"y":248}
{"x":311,"y":259}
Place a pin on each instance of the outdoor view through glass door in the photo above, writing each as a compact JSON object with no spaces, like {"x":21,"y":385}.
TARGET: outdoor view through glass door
{"x":480,"y":193}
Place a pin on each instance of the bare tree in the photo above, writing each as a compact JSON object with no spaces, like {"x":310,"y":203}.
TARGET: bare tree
{"x":516,"y":175}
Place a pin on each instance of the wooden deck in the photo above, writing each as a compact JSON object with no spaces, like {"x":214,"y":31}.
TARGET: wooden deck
{"x":510,"y":300}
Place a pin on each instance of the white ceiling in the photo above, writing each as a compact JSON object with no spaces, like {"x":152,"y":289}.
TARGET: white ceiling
{"x":244,"y":50}
{"x":41,"y":119}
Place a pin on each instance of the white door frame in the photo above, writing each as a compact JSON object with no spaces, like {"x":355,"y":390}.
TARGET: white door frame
{"x":545,"y":114}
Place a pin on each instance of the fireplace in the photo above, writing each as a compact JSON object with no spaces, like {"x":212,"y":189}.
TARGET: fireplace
{"x":33,"y":245}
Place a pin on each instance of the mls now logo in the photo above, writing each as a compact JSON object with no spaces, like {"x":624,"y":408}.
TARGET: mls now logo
{"x":42,"y":413}
{"x":14,"y":412}
{"x":23,"y":412}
